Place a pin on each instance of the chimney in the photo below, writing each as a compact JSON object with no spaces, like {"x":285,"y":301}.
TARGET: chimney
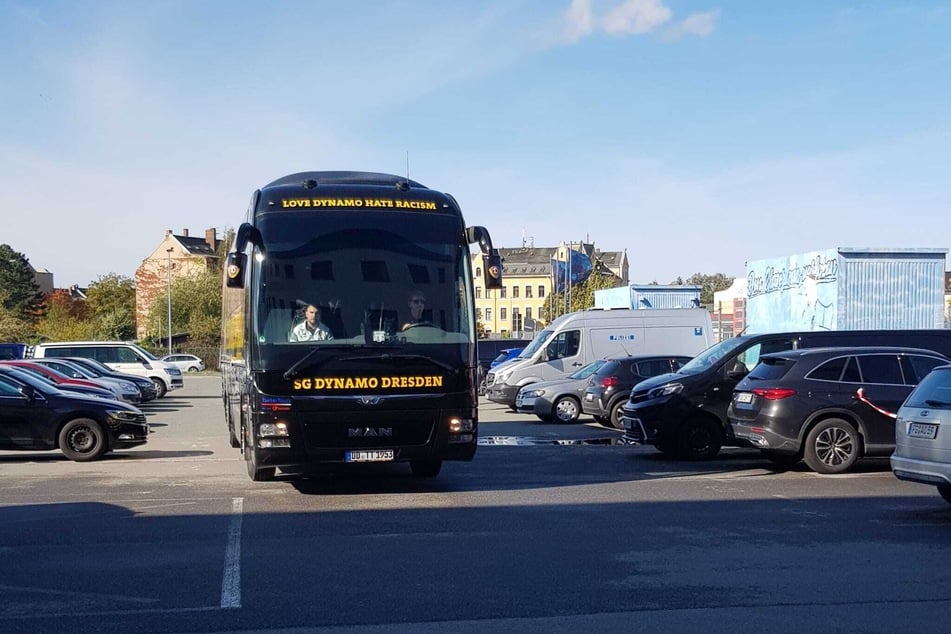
{"x":185,"y":232}
{"x":210,"y":237}
{"x":168,"y":232}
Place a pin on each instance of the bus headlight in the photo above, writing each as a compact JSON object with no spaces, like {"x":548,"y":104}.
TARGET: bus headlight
{"x":270,"y":430}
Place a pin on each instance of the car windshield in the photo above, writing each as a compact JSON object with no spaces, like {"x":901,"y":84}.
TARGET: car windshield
{"x":536,"y":343}
{"x":588,"y":370}
{"x":711,"y":355}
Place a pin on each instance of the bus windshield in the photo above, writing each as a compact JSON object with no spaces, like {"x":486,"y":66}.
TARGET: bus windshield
{"x":342,"y":278}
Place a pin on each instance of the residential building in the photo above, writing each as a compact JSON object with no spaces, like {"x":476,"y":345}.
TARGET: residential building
{"x":729,"y":310}
{"x":517,"y":309}
{"x":176,"y":256}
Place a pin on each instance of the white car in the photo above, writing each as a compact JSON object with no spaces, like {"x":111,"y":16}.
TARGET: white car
{"x":923,"y":433}
{"x":185,"y":362}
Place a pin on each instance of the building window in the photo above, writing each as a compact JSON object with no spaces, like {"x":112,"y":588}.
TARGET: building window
{"x":528,"y":312}
{"x":488,"y":315}
{"x":541,"y":292}
{"x":502,"y":314}
{"x":514,"y":291}
{"x":528,"y":290}
{"x":478,"y":292}
{"x":478,"y":271}
{"x":502,"y":292}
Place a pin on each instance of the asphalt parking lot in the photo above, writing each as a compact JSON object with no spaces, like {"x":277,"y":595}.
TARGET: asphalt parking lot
{"x":551,"y":528}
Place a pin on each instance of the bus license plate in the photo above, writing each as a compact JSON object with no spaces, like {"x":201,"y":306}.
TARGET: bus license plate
{"x":922,"y":430}
{"x":372,"y":455}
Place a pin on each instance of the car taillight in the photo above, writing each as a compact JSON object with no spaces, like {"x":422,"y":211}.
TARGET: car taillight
{"x":773,"y":394}
{"x":609,"y":381}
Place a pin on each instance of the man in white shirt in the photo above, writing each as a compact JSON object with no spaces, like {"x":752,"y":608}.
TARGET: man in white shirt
{"x":310,"y":329}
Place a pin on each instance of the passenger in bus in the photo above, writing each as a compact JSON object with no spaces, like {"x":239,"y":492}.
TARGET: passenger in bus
{"x":311,"y":329}
{"x":417,"y":305}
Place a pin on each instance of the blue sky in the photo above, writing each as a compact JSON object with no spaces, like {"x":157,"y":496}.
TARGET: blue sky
{"x":695,"y":134}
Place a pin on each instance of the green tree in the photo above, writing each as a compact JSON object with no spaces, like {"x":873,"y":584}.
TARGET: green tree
{"x":709,"y":284}
{"x":581,"y":296}
{"x":111,"y":305}
{"x":22,"y":296}
{"x":196,"y":310}
{"x":65,"y":319}
{"x":12,"y":327}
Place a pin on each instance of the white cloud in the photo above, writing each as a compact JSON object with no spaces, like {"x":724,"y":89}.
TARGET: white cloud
{"x":633,"y":17}
{"x":699,"y":24}
{"x":578,"y":21}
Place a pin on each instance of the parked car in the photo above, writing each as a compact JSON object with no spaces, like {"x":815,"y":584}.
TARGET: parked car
{"x":127,"y":390}
{"x":146,"y":386}
{"x":558,"y":400}
{"x":608,"y":389}
{"x":684,"y":414}
{"x":38,"y":416}
{"x":61,"y":381}
{"x":923,"y":433}
{"x":827,"y":406}
{"x":185,"y":362}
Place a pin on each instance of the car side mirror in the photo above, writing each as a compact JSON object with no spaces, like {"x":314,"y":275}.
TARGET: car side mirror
{"x":28,"y":392}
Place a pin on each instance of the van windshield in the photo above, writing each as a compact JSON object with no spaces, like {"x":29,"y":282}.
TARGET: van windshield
{"x":536,"y":343}
{"x":711,"y":355}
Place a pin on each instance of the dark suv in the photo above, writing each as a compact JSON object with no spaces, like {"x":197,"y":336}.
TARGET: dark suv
{"x":827,"y":406}
{"x":609,"y":387}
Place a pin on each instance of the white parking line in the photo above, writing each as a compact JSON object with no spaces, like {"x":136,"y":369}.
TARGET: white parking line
{"x":231,"y":579}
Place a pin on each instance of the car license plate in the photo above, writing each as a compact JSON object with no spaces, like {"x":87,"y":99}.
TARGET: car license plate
{"x":922,"y":430}
{"x":744,"y":397}
{"x":372,"y":455}
{"x":518,"y":401}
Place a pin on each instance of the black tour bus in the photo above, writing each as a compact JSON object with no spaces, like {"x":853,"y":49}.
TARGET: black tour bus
{"x":383,"y":380}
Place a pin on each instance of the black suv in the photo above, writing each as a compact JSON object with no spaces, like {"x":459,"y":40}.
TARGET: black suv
{"x":827,"y":406}
{"x":684,"y":414}
{"x":609,"y":387}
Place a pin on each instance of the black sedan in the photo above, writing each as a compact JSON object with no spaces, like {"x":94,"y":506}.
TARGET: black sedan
{"x":37,"y":416}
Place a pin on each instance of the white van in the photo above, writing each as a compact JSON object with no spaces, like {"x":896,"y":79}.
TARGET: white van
{"x":121,"y":356}
{"x":576,"y":339}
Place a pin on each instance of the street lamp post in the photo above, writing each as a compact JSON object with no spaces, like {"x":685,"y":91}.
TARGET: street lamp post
{"x":169,"y":272}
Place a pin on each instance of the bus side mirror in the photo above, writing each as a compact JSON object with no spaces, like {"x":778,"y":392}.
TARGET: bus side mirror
{"x":491,"y":260}
{"x":237,"y":263}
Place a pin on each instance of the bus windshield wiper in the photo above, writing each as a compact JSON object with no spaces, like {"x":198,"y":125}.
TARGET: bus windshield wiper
{"x":392,"y":357}
{"x":292,"y":371}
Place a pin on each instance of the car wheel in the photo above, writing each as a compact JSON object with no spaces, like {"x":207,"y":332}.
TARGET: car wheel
{"x":614,"y":418}
{"x":159,"y":387}
{"x":832,"y":446}
{"x":425,"y":468}
{"x":945,"y":491}
{"x":782,"y":459}
{"x":82,"y":440}
{"x":566,"y":410}
{"x":193,"y":368}
{"x":699,"y":439}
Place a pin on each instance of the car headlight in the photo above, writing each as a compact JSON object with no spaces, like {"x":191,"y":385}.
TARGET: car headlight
{"x":124,"y":416}
{"x":174,"y":371}
{"x":532,"y":393}
{"x":665,"y":390}
{"x":502,"y":377}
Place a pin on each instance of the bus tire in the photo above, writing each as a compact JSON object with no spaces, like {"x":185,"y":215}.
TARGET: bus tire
{"x":256,"y":473}
{"x":425,"y":468}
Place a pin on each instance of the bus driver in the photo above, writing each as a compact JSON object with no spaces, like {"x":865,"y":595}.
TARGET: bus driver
{"x":311,"y":329}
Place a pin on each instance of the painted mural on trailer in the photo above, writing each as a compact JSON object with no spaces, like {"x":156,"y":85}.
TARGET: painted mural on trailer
{"x":797,"y":292}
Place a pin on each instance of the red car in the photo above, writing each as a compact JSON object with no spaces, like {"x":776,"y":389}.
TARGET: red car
{"x":61,"y":380}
